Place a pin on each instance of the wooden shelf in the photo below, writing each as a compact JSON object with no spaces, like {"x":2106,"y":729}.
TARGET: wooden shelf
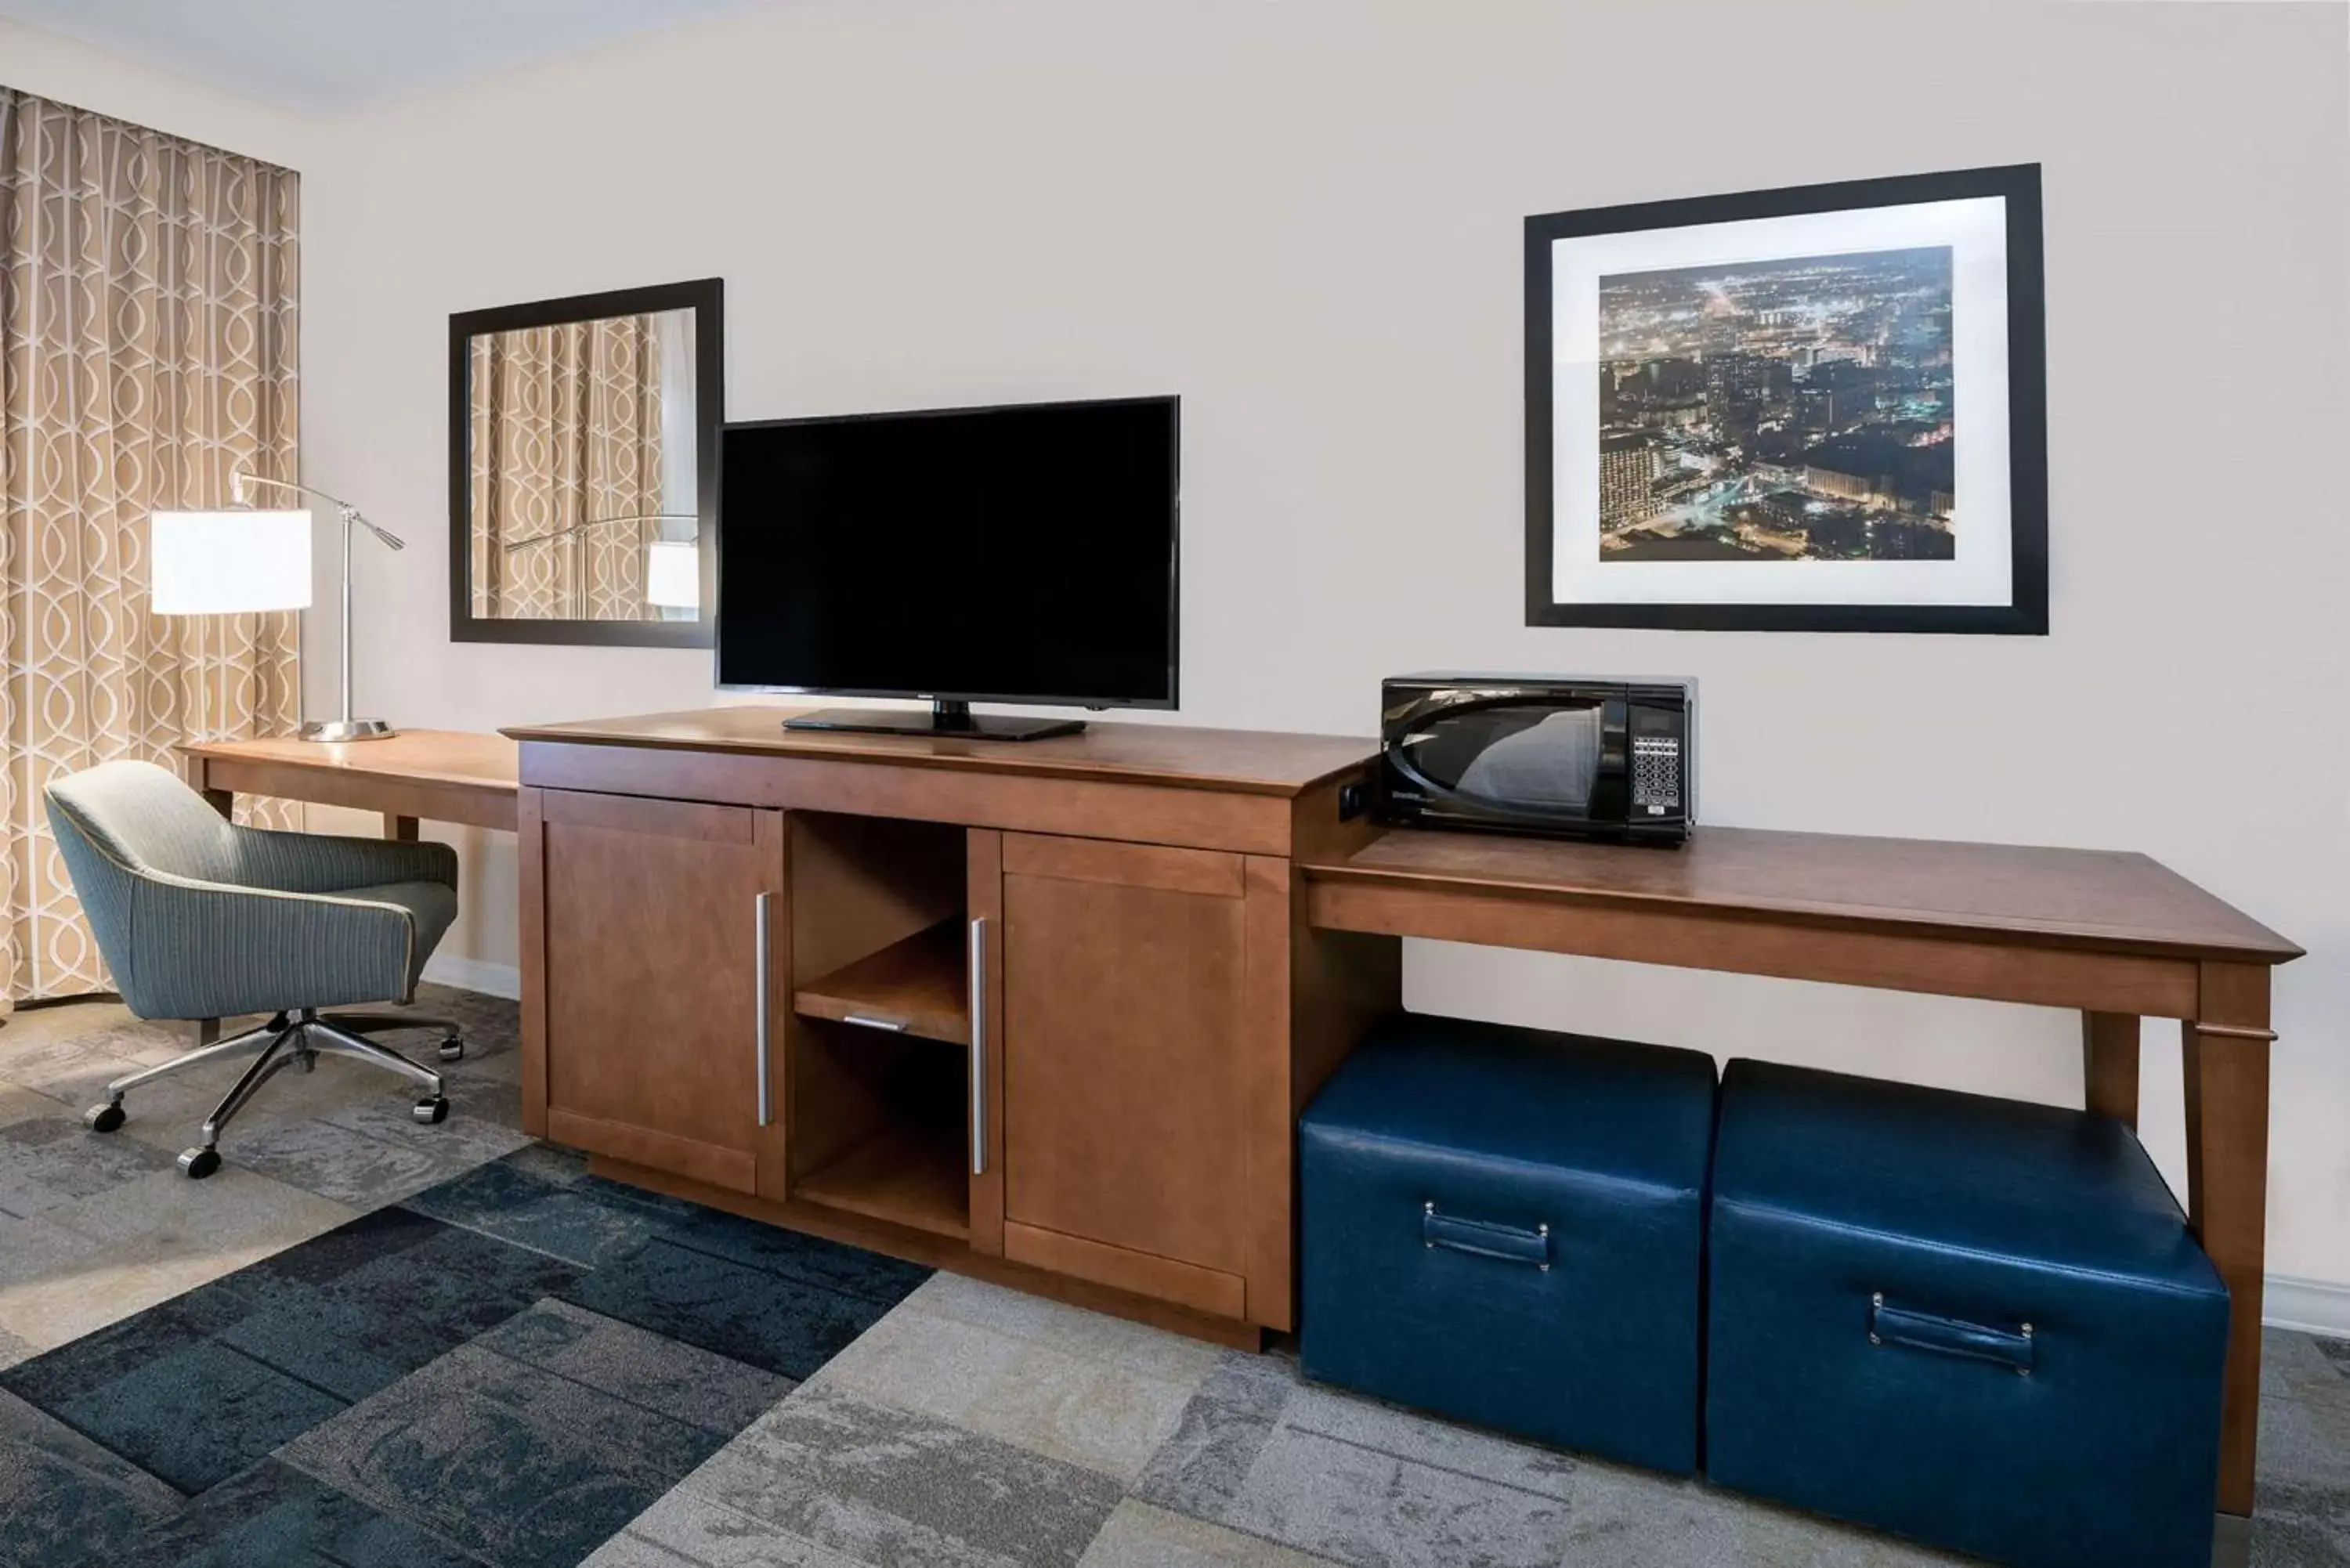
{"x":907,"y":1173}
{"x":919,"y":982}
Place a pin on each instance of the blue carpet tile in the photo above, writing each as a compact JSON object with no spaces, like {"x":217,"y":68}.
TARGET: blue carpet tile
{"x":502,"y":1371}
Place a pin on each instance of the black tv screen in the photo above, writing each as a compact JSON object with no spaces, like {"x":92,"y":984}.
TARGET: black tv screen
{"x":1011,"y":554}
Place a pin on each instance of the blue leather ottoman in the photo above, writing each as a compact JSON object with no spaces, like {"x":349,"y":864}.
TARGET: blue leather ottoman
{"x":1504,"y":1226}
{"x":1974,"y":1322}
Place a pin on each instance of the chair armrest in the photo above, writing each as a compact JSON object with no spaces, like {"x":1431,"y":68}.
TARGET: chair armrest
{"x":209,"y":951}
{"x":326,"y":863}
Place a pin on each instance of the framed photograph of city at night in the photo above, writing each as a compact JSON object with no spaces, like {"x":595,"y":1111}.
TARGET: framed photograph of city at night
{"x":1818,"y":409}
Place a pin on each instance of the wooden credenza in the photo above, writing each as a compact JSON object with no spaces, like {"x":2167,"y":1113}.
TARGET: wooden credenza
{"x":1181,"y":933}
{"x":1043,"y":1012}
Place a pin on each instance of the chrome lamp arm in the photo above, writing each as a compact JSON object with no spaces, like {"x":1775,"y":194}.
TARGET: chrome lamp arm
{"x":346,"y":728}
{"x":581,"y":527}
{"x":239,"y":480}
{"x":579,"y":531}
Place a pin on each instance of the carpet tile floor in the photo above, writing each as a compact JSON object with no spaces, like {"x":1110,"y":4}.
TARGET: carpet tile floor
{"x":370,"y":1344}
{"x":977,"y":1428}
{"x":504,"y":1369}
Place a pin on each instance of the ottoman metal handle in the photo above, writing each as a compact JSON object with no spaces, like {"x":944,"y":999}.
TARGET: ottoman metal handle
{"x":2008,"y":1347}
{"x":1484,"y":1238}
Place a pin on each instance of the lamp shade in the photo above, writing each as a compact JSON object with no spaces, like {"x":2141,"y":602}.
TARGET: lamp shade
{"x":228,"y":563}
{"x":673,"y":573}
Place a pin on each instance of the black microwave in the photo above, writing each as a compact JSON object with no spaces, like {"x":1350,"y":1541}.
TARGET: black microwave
{"x":1554,"y":756}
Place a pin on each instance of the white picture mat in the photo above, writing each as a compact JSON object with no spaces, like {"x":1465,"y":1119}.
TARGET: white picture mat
{"x":1982,"y":569}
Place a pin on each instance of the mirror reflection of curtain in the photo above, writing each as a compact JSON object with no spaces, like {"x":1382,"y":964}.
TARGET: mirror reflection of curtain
{"x":565,"y":430}
{"x":152,"y":287}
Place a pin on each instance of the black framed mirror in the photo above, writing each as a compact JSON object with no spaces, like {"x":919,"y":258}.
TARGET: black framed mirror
{"x":583,"y":467}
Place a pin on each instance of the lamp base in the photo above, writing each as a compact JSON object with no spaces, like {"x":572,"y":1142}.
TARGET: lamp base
{"x":347,"y":729}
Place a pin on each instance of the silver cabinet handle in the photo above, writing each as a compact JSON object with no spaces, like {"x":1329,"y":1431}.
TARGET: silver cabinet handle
{"x":979,"y":1047}
{"x":759,"y":926}
{"x":875,"y":1021}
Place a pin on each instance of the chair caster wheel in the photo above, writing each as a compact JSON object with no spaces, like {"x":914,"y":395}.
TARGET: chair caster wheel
{"x":103,"y":1118}
{"x":195,"y":1164}
{"x":452,"y":1049}
{"x":433,"y":1111}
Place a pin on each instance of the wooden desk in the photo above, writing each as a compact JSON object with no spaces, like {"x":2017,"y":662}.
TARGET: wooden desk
{"x":2115,"y":935}
{"x":440,"y":775}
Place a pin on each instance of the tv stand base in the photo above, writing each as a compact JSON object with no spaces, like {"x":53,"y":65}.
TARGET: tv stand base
{"x":944,"y":720}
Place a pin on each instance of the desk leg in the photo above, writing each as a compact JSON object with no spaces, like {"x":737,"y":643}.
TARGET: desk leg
{"x":402,"y":828}
{"x":208,"y":1030}
{"x":2226,"y":1052}
{"x":2109,"y":1064}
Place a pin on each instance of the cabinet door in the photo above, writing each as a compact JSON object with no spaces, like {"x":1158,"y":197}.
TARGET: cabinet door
{"x":649,"y":1017}
{"x":1127,"y":1049}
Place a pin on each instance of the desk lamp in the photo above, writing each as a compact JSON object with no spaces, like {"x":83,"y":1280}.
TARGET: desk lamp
{"x":246,"y":561}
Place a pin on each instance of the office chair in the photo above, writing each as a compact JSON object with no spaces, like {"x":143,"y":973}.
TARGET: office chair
{"x":198,"y":917}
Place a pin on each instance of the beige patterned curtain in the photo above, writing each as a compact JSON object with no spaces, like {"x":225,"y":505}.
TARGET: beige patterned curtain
{"x":148,"y":297}
{"x":567,"y":429}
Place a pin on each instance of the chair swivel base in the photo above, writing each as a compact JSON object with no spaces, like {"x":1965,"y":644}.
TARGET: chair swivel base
{"x":289,"y":1037}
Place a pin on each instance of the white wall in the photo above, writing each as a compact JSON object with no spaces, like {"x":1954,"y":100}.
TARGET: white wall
{"x":1303,"y":216}
{"x":68,"y":71}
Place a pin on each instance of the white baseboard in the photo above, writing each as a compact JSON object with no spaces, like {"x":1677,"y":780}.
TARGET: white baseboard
{"x":2314,"y":1307}
{"x":473,"y":974}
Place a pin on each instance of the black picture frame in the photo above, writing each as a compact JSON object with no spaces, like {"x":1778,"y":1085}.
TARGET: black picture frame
{"x":2027,"y":612}
{"x":706,"y":298}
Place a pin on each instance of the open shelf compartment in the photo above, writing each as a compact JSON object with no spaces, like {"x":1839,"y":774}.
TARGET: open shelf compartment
{"x":880,"y":1126}
{"x":878,"y":1098}
{"x":900,"y":1174}
{"x":918,"y":986}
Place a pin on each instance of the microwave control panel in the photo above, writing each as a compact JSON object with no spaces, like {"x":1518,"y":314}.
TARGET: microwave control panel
{"x":1656,"y":775}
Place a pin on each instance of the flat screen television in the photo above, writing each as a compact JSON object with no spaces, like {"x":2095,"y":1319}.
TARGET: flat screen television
{"x":1023,"y":554}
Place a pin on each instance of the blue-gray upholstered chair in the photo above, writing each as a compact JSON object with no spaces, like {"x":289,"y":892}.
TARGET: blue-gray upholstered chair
{"x":201,"y":919}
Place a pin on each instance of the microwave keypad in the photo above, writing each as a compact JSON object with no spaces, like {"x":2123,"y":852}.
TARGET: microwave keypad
{"x":1655,"y":775}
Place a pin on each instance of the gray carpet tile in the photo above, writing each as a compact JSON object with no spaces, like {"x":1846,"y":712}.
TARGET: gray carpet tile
{"x":880,"y":1461}
{"x":790,"y":1255}
{"x":349,"y":1166}
{"x":414,"y":1388}
{"x":515,"y":1464}
{"x":688,"y":1529}
{"x":582,"y":1223}
{"x":2302,"y":1508}
{"x":70,"y":1067}
{"x":199,"y":1414}
{"x":1050,"y":1378}
{"x":354,"y":1329}
{"x":510,"y":1364}
{"x":2304,"y":1366}
{"x":875,"y":1485}
{"x":643,"y":1369}
{"x":66,"y":1496}
{"x":49,"y":1162}
{"x":1342,"y":1499}
{"x":274,"y":1515}
{"x":765,"y":1319}
{"x":458,"y":1142}
{"x":1139,"y":1536}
